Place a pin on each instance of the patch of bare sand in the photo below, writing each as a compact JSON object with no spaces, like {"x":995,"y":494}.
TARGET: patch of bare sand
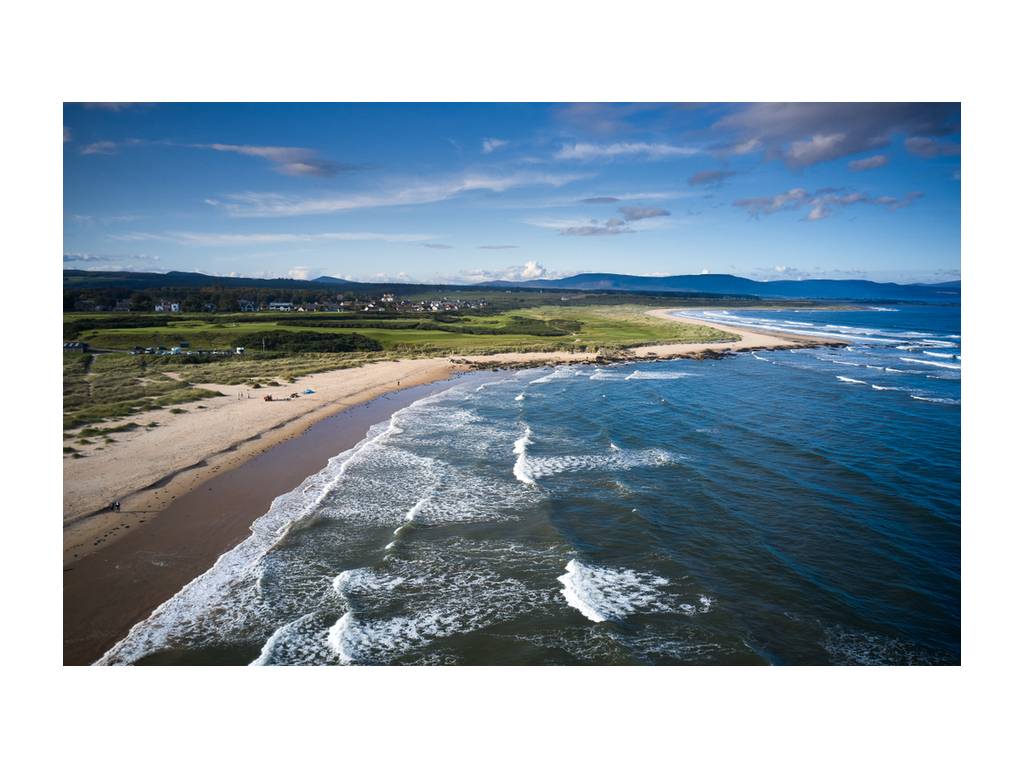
{"x":145,"y":468}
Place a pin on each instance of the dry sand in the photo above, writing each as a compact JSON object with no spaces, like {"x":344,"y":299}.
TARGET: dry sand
{"x":210,"y":448}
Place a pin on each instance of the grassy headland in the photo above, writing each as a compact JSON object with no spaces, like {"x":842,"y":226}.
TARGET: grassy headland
{"x":117,"y":386}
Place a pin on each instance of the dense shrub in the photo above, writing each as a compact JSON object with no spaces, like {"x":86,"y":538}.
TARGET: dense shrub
{"x":307,"y":341}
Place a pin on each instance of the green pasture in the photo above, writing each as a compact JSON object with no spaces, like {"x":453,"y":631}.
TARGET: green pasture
{"x":613,"y":327}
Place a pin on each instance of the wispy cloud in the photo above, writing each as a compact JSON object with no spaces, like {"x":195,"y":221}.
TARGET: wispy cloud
{"x":609,"y":120}
{"x":492,"y":144}
{"x":70,"y":257}
{"x":610,"y":227}
{"x":440,"y":246}
{"x":416,"y":192}
{"x":635,"y":214}
{"x":294,"y":161}
{"x":113,"y":106}
{"x":498,"y":247}
{"x":627,"y":150}
{"x":67,"y":134}
{"x":821,"y":205}
{"x":215,"y":239}
{"x":99,"y":148}
{"x":600,"y":200}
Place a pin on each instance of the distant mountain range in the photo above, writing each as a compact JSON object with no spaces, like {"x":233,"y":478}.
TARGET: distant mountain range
{"x":725,"y":285}
{"x":736,"y":286}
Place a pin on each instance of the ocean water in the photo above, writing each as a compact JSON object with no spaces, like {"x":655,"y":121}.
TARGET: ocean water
{"x":790,"y":507}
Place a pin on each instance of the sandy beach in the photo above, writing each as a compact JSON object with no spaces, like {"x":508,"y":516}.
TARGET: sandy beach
{"x":190,"y":488}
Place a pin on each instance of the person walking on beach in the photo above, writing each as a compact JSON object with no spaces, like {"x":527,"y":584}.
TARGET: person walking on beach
{"x":117,"y":506}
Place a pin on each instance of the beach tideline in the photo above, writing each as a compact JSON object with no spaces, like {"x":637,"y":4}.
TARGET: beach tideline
{"x":118,"y":566}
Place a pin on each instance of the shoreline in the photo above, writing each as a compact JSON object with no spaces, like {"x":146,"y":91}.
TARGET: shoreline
{"x":189,"y":496}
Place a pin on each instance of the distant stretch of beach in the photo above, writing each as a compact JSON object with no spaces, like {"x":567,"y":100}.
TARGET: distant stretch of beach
{"x":189,"y":488}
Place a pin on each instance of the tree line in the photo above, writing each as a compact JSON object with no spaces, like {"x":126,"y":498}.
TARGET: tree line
{"x":207,"y":298}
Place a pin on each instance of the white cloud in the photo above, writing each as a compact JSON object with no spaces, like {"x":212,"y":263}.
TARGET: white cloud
{"x":492,"y":144}
{"x":99,"y":148}
{"x":532,"y":270}
{"x":253,"y":204}
{"x":623,"y":150}
{"x":67,"y":134}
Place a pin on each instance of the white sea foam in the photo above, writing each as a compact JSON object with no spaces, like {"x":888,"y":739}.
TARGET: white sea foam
{"x":657,"y":375}
{"x":264,"y":657}
{"x":852,"y":381}
{"x":522,"y":396}
{"x":413,"y":513}
{"x":954,"y":366}
{"x":603,"y":594}
{"x":547,"y":466}
{"x":560,"y":372}
{"x":521,"y":469}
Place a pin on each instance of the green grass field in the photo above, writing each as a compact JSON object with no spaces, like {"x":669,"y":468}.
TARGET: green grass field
{"x":611,"y":327}
{"x":118,"y":386}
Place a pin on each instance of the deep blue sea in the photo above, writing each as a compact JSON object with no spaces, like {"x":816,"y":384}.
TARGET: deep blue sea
{"x":792,"y":507}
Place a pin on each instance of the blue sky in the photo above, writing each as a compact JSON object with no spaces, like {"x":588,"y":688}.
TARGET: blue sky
{"x":461,"y":193}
